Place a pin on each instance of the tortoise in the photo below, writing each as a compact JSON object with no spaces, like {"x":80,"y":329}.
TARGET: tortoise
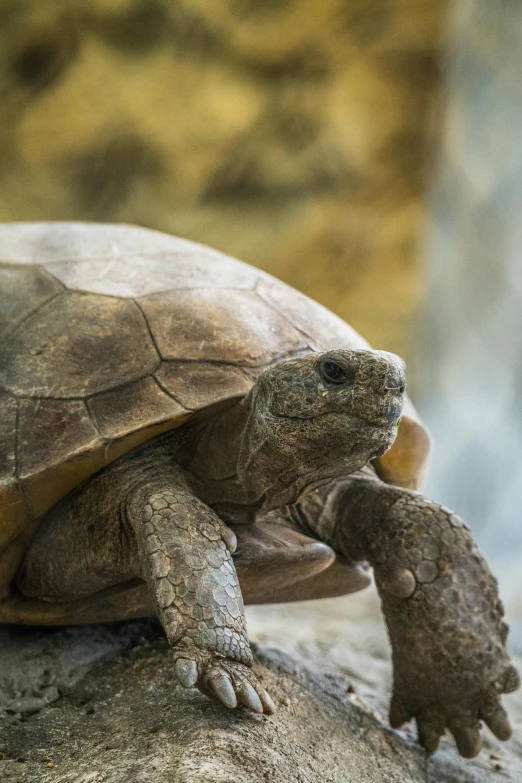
{"x":182,"y":433}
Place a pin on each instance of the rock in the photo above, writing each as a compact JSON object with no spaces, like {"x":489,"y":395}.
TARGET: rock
{"x":71,"y":715}
{"x":37,"y":665}
{"x":129,"y":720}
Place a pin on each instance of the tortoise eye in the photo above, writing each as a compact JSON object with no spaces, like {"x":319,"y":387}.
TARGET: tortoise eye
{"x":332,"y":372}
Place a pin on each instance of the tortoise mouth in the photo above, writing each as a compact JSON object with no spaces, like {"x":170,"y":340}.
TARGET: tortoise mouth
{"x":388,"y":420}
{"x":386,"y":414}
{"x":382,"y":414}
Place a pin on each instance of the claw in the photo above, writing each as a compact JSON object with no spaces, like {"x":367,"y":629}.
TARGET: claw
{"x":497,"y":721}
{"x":468,"y":740}
{"x":187,"y":672}
{"x":222,"y":687}
{"x":511,"y":680}
{"x":268,"y":705}
{"x":249,"y":697}
{"x":230,"y":539}
{"x":398,"y":713}
{"x":430,"y":732}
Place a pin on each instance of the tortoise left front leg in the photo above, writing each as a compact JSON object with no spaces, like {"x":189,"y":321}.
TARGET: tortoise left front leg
{"x":186,"y":559}
{"x":440,"y":603}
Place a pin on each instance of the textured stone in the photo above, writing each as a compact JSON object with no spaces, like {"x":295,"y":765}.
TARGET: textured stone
{"x":130,"y":719}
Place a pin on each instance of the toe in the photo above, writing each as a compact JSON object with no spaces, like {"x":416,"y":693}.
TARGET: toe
{"x":268,"y":705}
{"x":187,"y":672}
{"x":222,"y":687}
{"x":430,"y":731}
{"x":248,"y":696}
{"x":467,"y":738}
{"x":511,"y":680}
{"x":398,"y":713}
{"x":230,"y":539}
{"x":497,"y":720}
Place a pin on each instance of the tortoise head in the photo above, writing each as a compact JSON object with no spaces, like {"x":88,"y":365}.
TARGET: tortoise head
{"x":319,"y":416}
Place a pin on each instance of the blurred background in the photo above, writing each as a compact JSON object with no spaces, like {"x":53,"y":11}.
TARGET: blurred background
{"x":368,"y":152}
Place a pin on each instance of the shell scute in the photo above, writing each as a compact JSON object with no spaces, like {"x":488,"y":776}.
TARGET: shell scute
{"x":218,"y":325}
{"x":24,"y":289}
{"x":49,"y":242}
{"x":77,"y":345}
{"x":118,"y":412}
{"x":58,"y":448}
{"x":8,"y":416}
{"x":199,"y":385}
{"x":12,"y":506}
{"x":323,"y":329}
{"x":133,"y":414}
{"x":140,"y":275}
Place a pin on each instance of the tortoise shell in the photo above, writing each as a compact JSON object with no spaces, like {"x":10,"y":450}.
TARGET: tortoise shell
{"x":112,"y":334}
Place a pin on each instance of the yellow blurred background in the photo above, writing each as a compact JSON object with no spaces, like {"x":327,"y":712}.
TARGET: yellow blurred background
{"x":293,"y":134}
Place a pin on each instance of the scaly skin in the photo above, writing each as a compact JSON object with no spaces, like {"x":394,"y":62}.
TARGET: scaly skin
{"x":440,"y":603}
{"x":186,"y":559}
{"x":139,"y":518}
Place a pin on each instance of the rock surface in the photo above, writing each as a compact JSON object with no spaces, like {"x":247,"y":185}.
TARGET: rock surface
{"x":101,"y":703}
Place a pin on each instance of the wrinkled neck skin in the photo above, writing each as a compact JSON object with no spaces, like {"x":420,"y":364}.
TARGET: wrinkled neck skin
{"x":247,"y":458}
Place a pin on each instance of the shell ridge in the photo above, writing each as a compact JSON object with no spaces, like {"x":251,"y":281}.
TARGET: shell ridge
{"x":152,"y":336}
{"x":267,"y":301}
{"x":169,"y":393}
{"x":105,"y":440}
{"x":308,"y":338}
{"x":46,"y":272}
{"x":34,"y":312}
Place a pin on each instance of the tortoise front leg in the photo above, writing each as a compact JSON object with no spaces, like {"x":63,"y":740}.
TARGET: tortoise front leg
{"x":440,"y":604}
{"x":185,"y":551}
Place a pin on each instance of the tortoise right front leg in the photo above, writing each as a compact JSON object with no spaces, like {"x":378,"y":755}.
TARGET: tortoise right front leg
{"x":185,"y":552}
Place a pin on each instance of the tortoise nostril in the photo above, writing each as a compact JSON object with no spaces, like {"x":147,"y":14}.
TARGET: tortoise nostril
{"x":394,"y":385}
{"x":395,"y":380}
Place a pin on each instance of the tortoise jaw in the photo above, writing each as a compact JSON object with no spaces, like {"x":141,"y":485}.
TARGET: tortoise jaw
{"x":389,"y":411}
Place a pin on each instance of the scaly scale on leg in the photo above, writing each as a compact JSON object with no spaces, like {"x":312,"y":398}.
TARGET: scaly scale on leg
{"x":186,"y":560}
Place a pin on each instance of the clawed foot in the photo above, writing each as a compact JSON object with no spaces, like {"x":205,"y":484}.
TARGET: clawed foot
{"x":461,"y":714}
{"x":231,"y":682}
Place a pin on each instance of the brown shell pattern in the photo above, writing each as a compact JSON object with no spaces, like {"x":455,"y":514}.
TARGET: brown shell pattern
{"x":112,"y":334}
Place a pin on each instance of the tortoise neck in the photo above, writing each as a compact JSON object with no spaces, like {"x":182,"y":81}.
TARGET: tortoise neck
{"x":235,"y":463}
{"x":211,"y":452}
{"x":225,"y":456}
